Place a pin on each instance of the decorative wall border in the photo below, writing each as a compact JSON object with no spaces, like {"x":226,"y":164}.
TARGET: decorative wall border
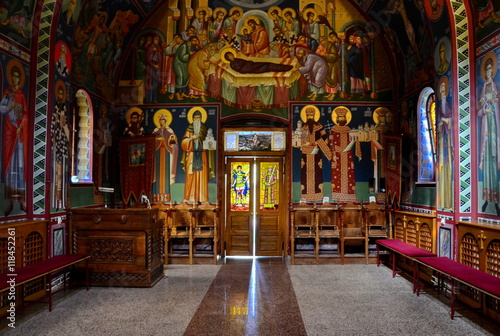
{"x":42,"y":88}
{"x":464,"y":127}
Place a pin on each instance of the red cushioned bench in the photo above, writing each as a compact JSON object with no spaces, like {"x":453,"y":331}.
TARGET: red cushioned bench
{"x":406,"y":250}
{"x":43,"y":268}
{"x":457,"y":272}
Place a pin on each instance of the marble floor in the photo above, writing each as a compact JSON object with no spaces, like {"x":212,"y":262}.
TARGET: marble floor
{"x":266,"y":296}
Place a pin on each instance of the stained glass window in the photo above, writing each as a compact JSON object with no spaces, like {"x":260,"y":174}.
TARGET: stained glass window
{"x":240,"y":186}
{"x":269,"y":185}
{"x":427,"y":136}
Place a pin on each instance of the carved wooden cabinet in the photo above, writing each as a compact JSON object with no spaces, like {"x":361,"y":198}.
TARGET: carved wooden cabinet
{"x":192,"y":234}
{"x":479,"y":248}
{"x":30,"y":239}
{"x":125,"y":245}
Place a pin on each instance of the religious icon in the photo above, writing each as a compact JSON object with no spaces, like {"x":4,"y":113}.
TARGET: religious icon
{"x":269,"y":185}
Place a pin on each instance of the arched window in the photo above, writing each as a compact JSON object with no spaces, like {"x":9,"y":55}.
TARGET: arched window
{"x":82,"y":139}
{"x":427,"y":136}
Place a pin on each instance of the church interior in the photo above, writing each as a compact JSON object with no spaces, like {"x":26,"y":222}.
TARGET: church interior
{"x":252,"y":149}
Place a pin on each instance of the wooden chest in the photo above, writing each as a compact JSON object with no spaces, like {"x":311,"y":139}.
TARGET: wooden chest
{"x":125,"y":245}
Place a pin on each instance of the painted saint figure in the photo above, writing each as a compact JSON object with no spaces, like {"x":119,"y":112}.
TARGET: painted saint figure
{"x":343,"y":179}
{"x":240,"y":185}
{"x":445,"y":152}
{"x":135,"y":125}
{"x":269,"y":180}
{"x":60,"y":149}
{"x":196,"y":159}
{"x":489,"y":114}
{"x":314,"y":144}
{"x":167,"y":150}
{"x":15,"y":138}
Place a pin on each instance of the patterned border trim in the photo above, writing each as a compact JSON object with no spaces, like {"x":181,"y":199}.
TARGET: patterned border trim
{"x":42,"y":83}
{"x":463,"y":86}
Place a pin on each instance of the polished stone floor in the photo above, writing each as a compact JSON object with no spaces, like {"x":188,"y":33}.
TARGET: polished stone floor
{"x":254,"y":297}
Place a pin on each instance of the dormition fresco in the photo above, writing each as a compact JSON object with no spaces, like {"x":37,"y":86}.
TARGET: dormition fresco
{"x":98,"y":45}
{"x":488,"y":123}
{"x":337,"y":151}
{"x":16,"y":20}
{"x":256,"y":60}
{"x":185,"y":148}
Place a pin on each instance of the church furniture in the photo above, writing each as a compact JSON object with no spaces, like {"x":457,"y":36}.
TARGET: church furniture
{"x":376,"y":222}
{"x":44,"y":269}
{"x":328,"y":232}
{"x":485,"y":284}
{"x":479,"y":248}
{"x":354,"y":238}
{"x":304,"y":233}
{"x":404,"y":250}
{"x":417,"y":229}
{"x":29,"y":246}
{"x":192,"y":235}
{"x":125,"y":245}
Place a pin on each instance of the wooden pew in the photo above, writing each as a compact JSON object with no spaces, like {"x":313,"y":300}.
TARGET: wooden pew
{"x":16,"y":277}
{"x":411,"y":252}
{"x":486,"y":283}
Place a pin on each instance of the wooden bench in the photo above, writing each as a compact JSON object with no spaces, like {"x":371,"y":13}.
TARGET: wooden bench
{"x":485,"y":283}
{"x":20,"y":276}
{"x":396,"y":246}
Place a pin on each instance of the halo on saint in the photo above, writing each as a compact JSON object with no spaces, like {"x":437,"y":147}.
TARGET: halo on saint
{"x":130,"y":111}
{"x":309,"y":10}
{"x":309,"y":109}
{"x":251,"y":17}
{"x":224,"y":52}
{"x":60,"y":84}
{"x":219,"y":9}
{"x":207,"y":10}
{"x":193,"y":110}
{"x":494,"y":64}
{"x":235,"y":9}
{"x":22,"y":76}
{"x":341,"y":110}
{"x":291,"y":10}
{"x":443,"y":80}
{"x":273,"y":9}
{"x":162,"y":114}
{"x":378,"y":112}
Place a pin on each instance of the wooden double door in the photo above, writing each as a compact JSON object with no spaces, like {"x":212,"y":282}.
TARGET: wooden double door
{"x":255,"y":207}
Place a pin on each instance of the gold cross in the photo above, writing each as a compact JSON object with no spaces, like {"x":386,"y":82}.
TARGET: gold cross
{"x":481,"y":238}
